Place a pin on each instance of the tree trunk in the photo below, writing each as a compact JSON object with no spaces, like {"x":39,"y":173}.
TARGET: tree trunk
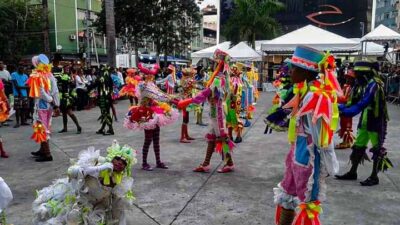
{"x":136,"y":53}
{"x":46,"y":42}
{"x":110,"y":30}
{"x":165,"y":58}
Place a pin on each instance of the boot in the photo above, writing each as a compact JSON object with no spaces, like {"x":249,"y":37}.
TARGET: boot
{"x":239,"y":136}
{"x":357,"y":157}
{"x":284,"y":216}
{"x":205,"y":166}
{"x":373,"y":179}
{"x":230,"y":133}
{"x":65,"y":123}
{"x":38,"y":152}
{"x":187,"y":133}
{"x":3,"y":154}
{"x":46,"y":156}
{"x":183,"y":134}
{"x":370,"y":181}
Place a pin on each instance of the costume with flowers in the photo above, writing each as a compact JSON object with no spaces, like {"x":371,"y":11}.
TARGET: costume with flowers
{"x":169,"y":80}
{"x":154,"y":111}
{"x":350,"y":96}
{"x":131,"y":83}
{"x":233,"y":103}
{"x":188,"y":89}
{"x":44,"y":91}
{"x":6,"y":197}
{"x":4,"y":114}
{"x":372,"y":126}
{"x":277,"y":118}
{"x":311,"y":157}
{"x":247,"y":96}
{"x":93,"y":193}
{"x":215,"y":93}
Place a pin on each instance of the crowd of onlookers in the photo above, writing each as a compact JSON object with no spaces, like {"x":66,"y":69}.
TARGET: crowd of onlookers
{"x":82,"y":83}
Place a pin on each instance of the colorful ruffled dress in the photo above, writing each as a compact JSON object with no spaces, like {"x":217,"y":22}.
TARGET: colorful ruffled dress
{"x":153,"y":110}
{"x":129,"y":89}
{"x":4,"y":107}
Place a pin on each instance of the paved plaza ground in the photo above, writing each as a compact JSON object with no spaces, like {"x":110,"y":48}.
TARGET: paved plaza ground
{"x":180,"y":197}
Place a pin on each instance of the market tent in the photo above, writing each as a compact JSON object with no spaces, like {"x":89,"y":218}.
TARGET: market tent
{"x":243,"y":52}
{"x":258,"y":45}
{"x":311,"y":36}
{"x":208,"y":52}
{"x":381,"y":33}
{"x":373,"y":49}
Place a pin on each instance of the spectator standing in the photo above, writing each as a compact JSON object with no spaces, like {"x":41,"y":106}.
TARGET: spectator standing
{"x":120,"y":76}
{"x":81,"y":89}
{"x":21,"y":101}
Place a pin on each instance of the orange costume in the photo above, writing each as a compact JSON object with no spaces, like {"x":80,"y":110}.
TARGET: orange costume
{"x":4,"y":113}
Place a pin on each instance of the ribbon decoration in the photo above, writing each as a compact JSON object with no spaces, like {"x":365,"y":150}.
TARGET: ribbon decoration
{"x":308,"y":214}
{"x":39,"y":133}
{"x":37,"y":81}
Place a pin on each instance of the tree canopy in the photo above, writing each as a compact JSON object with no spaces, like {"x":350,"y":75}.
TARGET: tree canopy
{"x":253,"y":19}
{"x":20,"y":29}
{"x":170,"y":24}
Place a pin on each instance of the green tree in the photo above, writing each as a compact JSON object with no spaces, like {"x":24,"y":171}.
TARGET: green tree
{"x":170,"y":24}
{"x":253,"y":19}
{"x":20,"y":29}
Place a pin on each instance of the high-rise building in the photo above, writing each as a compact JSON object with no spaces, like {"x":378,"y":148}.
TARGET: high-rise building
{"x":387,"y":13}
{"x":67,"y":28}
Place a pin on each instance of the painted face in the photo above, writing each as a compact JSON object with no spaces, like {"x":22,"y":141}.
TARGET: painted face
{"x":119,"y":164}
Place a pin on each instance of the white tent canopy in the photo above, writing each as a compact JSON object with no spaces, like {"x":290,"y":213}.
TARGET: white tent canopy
{"x":243,"y":52}
{"x":381,"y":33}
{"x":313,"y":37}
{"x":208,"y":52}
{"x":372,"y":49}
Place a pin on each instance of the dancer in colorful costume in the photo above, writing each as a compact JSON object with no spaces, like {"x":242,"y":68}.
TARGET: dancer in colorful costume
{"x":233,"y":103}
{"x":44,"y":90}
{"x":215,"y":93}
{"x":188,"y":86}
{"x":5,"y":198}
{"x":4,"y":114}
{"x":372,"y":126}
{"x":105,"y":90}
{"x":132,"y":80}
{"x":153,"y":112}
{"x":65,"y":87}
{"x":277,"y":118}
{"x":98,"y":190}
{"x":170,"y":80}
{"x":247,"y":97}
{"x":346,"y":123}
{"x":313,"y":121}
{"x":201,"y":80}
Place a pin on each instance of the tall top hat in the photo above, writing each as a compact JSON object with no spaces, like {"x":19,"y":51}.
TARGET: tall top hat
{"x":366,"y":66}
{"x":307,"y":58}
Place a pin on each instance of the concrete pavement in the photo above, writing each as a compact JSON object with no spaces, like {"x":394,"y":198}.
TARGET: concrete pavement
{"x":180,"y":197}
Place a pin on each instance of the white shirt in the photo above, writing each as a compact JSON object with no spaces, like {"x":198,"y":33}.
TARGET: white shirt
{"x":80,"y":84}
{"x":121,"y":78}
{"x":5,"y":75}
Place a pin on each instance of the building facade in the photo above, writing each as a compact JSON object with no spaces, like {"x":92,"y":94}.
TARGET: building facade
{"x":67,"y":29}
{"x":387,"y":13}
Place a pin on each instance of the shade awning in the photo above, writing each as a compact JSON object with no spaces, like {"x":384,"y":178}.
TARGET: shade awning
{"x":311,"y":36}
{"x":381,"y":33}
{"x":243,"y":52}
{"x":209,"y":52}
